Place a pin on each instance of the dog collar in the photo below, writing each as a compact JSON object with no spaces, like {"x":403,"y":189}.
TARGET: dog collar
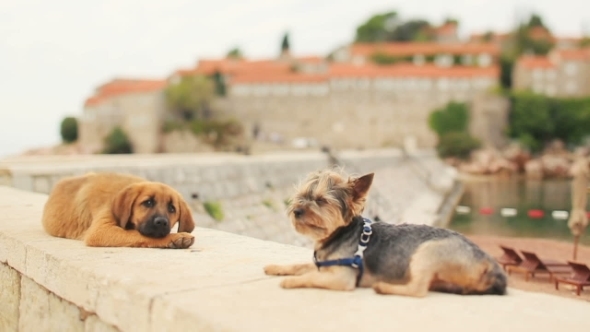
{"x":357,"y":260}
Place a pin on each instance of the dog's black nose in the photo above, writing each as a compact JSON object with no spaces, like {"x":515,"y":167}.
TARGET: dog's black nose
{"x":298,"y":212}
{"x":161,"y":222}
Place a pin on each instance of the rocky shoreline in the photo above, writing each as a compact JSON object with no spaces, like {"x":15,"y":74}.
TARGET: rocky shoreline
{"x":554,"y":162}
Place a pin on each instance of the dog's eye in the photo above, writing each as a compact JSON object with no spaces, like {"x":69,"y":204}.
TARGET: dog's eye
{"x":149,"y":203}
{"x":321,"y":201}
{"x":171,"y":208}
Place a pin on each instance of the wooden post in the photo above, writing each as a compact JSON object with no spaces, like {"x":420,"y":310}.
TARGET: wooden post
{"x":576,"y":239}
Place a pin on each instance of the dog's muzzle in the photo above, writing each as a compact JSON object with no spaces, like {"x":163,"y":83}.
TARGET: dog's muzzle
{"x":156,"y":227}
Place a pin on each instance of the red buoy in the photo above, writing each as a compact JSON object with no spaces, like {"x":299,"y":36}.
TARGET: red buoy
{"x":536,"y":213}
{"x":486,"y":210}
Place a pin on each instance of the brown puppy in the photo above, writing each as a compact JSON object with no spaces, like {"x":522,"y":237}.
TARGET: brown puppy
{"x":117,"y":210}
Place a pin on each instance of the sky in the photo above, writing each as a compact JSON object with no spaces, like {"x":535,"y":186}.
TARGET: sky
{"x":54,"y":53}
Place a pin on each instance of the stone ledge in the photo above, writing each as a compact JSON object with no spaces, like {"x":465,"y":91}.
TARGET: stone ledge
{"x":218,"y":284}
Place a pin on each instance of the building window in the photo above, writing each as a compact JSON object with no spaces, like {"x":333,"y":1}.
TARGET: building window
{"x":571,"y":88}
{"x":467,"y":59}
{"x":444,"y":60}
{"x":484,"y":60}
{"x":419,"y":59}
{"x":571,"y":69}
{"x":550,"y":90}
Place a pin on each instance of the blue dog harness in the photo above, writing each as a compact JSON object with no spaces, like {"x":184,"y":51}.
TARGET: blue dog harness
{"x":357,"y":260}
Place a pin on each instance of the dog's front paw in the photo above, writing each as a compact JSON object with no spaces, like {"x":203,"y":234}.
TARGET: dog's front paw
{"x":292,"y":282}
{"x":181,"y":240}
{"x":275,"y":270}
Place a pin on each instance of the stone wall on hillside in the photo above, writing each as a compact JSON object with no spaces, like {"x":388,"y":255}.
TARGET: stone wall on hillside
{"x":251,"y":193}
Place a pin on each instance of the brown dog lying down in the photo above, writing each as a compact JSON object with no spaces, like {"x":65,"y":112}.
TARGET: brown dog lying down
{"x":117,"y":210}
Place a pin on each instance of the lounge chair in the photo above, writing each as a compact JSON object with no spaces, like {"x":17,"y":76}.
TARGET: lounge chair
{"x":509,"y":258}
{"x":532,"y":265}
{"x":580,"y":277}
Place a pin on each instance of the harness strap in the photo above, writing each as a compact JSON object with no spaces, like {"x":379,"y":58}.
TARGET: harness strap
{"x":357,"y":260}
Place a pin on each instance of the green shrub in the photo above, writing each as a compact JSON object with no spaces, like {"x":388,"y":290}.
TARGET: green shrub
{"x":214,"y":210}
{"x":218,"y":133}
{"x":69,"y":129}
{"x":457,"y":144}
{"x":454,"y":117}
{"x":536,"y":119}
{"x":386,"y":59}
{"x":170,"y":126}
{"x":117,"y":142}
{"x":268,"y":204}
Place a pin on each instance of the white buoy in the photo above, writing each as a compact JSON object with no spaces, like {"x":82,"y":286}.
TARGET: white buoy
{"x":559,"y":214}
{"x":461,"y":209}
{"x":508,"y":212}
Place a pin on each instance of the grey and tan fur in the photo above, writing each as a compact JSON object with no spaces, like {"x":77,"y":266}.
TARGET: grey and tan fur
{"x":402,"y":259}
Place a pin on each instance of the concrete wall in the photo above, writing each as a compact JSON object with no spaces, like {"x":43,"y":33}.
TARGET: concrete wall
{"x":57,"y":285}
{"x":253,"y":191}
{"x":352,"y":113}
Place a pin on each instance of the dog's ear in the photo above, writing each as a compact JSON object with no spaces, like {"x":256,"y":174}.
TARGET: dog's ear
{"x":361,"y":185}
{"x":122,"y":207}
{"x":185,"y":221}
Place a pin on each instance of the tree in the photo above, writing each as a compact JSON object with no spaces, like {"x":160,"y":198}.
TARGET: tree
{"x":457,"y":144}
{"x":376,"y":28}
{"x":190,"y":98}
{"x":454,"y":117}
{"x":389,"y":27}
{"x":414,"y":30}
{"x":451,"y":125}
{"x":530,"y":120}
{"x":506,"y":66}
{"x":535,"y":21}
{"x":285,"y":45}
{"x":234,"y":53}
{"x":451,"y":20}
{"x":69,"y":129}
{"x":117,"y":142}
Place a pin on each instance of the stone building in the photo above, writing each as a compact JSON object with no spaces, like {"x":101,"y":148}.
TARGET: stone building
{"x":344,"y":100}
{"x":137,"y":106}
{"x":562,"y":73}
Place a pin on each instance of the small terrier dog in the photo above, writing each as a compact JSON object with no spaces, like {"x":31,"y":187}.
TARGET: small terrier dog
{"x":401,"y":259}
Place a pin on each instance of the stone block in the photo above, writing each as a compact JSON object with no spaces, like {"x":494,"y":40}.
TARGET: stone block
{"x":94,"y":324}
{"x":22,"y":181}
{"x":41,"y":310}
{"x":9,"y":298}
{"x":42,"y":184}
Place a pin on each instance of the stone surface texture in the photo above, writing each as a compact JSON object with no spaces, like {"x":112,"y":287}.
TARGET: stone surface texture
{"x":218,"y":285}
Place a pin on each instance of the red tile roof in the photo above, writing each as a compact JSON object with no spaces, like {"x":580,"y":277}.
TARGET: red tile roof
{"x":410,"y":49}
{"x":410,"y":70}
{"x":369,"y":71}
{"x":582,"y":54}
{"x":534,"y":61}
{"x":118,"y":87}
{"x":278,"y":78}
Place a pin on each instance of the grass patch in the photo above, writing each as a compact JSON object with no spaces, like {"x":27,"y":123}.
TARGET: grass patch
{"x":214,"y":210}
{"x":268,"y":204}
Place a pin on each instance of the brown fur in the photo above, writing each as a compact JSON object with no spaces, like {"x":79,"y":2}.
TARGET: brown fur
{"x":113,"y":210}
